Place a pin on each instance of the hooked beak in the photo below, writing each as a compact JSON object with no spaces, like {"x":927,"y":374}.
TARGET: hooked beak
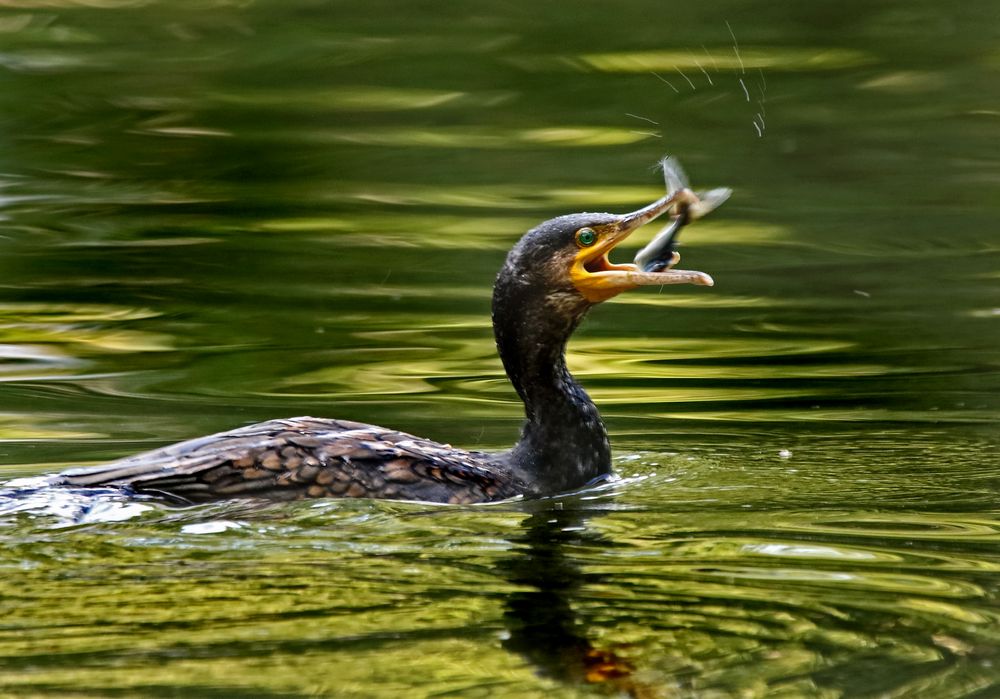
{"x":598,"y":279}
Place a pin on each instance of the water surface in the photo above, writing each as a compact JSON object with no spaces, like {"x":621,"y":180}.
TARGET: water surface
{"x":218,"y":213}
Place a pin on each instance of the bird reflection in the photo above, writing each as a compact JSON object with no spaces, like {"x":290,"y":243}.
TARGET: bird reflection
{"x":543,"y":625}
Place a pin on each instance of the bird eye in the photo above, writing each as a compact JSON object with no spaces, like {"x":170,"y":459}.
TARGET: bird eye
{"x":585,"y":237}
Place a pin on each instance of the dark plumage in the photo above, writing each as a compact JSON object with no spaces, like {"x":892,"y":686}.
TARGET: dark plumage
{"x":307,"y":457}
{"x":549,"y":281}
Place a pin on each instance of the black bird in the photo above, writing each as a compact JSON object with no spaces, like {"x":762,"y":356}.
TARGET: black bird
{"x":551,"y":278}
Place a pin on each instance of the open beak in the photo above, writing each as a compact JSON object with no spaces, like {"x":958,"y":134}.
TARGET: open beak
{"x":598,"y":279}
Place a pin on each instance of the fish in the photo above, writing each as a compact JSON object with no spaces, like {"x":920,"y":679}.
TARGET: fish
{"x":660,"y":252}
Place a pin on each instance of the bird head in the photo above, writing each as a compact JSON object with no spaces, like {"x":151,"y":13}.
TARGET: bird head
{"x":572,"y":252}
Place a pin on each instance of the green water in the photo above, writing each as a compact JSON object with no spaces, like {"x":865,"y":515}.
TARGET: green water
{"x":213,"y":213}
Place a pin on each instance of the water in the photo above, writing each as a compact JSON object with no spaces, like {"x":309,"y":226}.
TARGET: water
{"x":218,"y":213}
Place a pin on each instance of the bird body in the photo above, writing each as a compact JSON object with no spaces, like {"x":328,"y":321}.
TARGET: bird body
{"x":301,"y":457}
{"x":550,"y":279}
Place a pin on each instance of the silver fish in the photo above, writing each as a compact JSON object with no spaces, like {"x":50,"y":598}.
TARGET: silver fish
{"x":660,"y":254}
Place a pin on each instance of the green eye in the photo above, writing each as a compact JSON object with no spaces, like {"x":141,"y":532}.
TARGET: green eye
{"x":586,"y":237}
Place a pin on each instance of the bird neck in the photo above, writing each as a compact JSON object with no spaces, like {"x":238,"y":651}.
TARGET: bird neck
{"x":564,"y":444}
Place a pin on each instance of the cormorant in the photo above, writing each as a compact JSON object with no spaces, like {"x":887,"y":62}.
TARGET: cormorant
{"x":551,"y":278}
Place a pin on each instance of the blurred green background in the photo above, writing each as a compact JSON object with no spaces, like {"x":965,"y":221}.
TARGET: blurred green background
{"x":213,"y":213}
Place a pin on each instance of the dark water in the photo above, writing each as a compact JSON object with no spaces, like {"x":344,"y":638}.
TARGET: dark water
{"x":213,"y":213}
